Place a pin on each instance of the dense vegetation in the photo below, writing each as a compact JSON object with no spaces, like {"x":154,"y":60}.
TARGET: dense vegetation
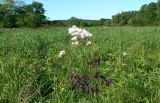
{"x":31,"y":72}
{"x":15,"y":13}
{"x":121,"y":65}
{"x":147,"y":15}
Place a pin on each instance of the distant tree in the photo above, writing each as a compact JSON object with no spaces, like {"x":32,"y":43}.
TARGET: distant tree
{"x":101,"y":21}
{"x":147,"y":15}
{"x":34,"y":15}
{"x":8,"y":15}
{"x":58,"y":23}
{"x":1,"y":15}
{"x":158,"y":13}
{"x":104,"y":22}
{"x":15,"y":13}
{"x":151,"y":13}
{"x":83,"y":23}
{"x":140,"y":18}
{"x":115,"y":19}
{"x":78,"y":22}
{"x":8,"y":1}
{"x":108,"y":22}
{"x":74,"y":21}
{"x":123,"y":18}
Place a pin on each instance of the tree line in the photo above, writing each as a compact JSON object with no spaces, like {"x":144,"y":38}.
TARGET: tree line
{"x":18,"y":14}
{"x":15,"y":13}
{"x":148,"y":15}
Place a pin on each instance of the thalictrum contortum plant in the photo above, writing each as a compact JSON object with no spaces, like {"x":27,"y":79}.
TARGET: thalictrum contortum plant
{"x":79,"y":33}
{"x":61,"y":53}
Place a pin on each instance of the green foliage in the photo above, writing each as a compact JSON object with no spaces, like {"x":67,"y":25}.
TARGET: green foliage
{"x":147,"y":15}
{"x":14,"y":13}
{"x":78,"y":22}
{"x":18,"y":14}
{"x":8,"y":15}
{"x":158,"y":13}
{"x":31,"y":72}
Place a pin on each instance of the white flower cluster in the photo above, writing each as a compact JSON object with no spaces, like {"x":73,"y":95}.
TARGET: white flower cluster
{"x":61,"y":53}
{"x":124,"y":53}
{"x":79,"y":33}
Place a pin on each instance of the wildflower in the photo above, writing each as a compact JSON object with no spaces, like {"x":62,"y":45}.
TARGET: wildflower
{"x":76,"y":69}
{"x":75,"y":43}
{"x":88,"y":43}
{"x":76,"y":31}
{"x":79,"y":33}
{"x":85,"y":34}
{"x":72,"y":30}
{"x":105,"y":27}
{"x":74,"y":26}
{"x":75,"y":38}
{"x":62,"y":89}
{"x":88,"y":35}
{"x":82,"y":34}
{"x":61,"y":54}
{"x":124,"y":54}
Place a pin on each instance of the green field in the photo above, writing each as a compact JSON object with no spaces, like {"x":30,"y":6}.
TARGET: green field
{"x":31,"y":72}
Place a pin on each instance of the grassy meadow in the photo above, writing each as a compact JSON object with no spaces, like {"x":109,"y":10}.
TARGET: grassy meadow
{"x":31,"y":72}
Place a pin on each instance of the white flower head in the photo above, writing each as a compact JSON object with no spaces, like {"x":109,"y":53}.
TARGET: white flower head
{"x":75,"y":38}
{"x":75,"y":43}
{"x":74,"y":26}
{"x":83,"y":33}
{"x":79,"y":33}
{"x":88,"y":43}
{"x":72,"y":29}
{"x":76,"y":31}
{"x":125,"y":53}
{"x":105,"y":27}
{"x":61,"y":53}
{"x":88,"y":35}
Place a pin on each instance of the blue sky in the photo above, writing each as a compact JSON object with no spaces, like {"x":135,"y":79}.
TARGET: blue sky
{"x":88,"y":9}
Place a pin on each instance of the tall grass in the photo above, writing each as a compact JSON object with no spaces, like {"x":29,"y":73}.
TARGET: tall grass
{"x":31,"y":72}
